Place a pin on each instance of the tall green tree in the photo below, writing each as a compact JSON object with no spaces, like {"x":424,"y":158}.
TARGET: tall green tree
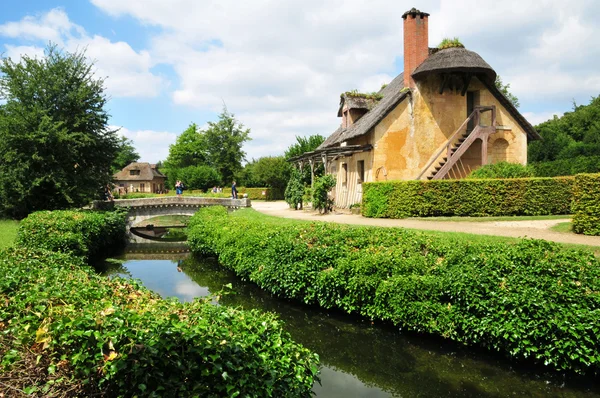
{"x":271,"y":171}
{"x":575,"y":134}
{"x":504,"y":89}
{"x":126,"y":154}
{"x":303,"y":145}
{"x":223,"y":142}
{"x":56,"y":149}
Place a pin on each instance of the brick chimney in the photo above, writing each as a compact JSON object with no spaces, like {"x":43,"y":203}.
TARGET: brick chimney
{"x":416,"y":42}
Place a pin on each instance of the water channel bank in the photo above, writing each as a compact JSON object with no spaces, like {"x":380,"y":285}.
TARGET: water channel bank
{"x":359,"y":359}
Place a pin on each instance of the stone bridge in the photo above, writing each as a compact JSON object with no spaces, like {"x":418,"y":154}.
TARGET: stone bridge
{"x":146,"y":208}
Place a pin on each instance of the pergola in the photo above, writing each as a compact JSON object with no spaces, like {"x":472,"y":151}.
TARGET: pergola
{"x":326,"y":155}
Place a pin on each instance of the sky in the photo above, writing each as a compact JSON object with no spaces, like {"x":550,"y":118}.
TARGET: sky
{"x":280,"y":65}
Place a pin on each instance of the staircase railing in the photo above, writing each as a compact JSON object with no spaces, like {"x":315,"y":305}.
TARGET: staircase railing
{"x":476,"y":115}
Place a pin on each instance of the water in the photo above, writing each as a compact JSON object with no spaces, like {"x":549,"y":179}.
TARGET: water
{"x":358,"y":358}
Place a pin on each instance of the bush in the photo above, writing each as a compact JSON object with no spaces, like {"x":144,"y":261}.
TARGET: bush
{"x":117,"y":337}
{"x":257,"y":193}
{"x":82,"y":233}
{"x":502,"y":170}
{"x":295,"y":190}
{"x":531,"y":300}
{"x":567,"y":167}
{"x":493,"y":197}
{"x":321,"y":188}
{"x":586,"y":204}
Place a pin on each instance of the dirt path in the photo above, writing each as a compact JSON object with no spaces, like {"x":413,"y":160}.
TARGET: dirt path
{"x":537,"y":229}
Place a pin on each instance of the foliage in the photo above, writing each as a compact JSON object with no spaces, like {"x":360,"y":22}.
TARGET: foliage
{"x":294,"y":191}
{"x":575,"y":134}
{"x":586,"y":204}
{"x":197,"y":177}
{"x":56,"y":150}
{"x":531,"y":300}
{"x":489,"y":197}
{"x":450,"y":43}
{"x":81,"y":233}
{"x":504,"y":89}
{"x":321,"y":200}
{"x":566,"y":167}
{"x":268,"y":171}
{"x":355,"y":93}
{"x":115,"y":337}
{"x":126,"y":154}
{"x":261,"y":193}
{"x":224,"y":140}
{"x":502,"y":170}
{"x":301,"y":146}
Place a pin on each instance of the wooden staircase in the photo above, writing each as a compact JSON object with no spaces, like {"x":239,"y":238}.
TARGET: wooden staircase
{"x":450,"y":154}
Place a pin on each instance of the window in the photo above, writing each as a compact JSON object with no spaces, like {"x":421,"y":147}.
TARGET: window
{"x":344,"y":172}
{"x":360,"y":170}
{"x":142,"y":186}
{"x":134,"y":172}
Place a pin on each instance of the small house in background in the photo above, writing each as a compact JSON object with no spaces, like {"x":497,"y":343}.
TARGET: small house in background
{"x":140,"y":177}
{"x":441,"y":118}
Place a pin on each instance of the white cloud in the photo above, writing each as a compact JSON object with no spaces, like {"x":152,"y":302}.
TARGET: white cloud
{"x":536,"y":118}
{"x":127,"y":71}
{"x":152,"y":146}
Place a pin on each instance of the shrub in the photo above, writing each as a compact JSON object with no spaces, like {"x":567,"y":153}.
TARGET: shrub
{"x":321,"y":188}
{"x":531,"y":300}
{"x":493,"y":197}
{"x":567,"y":167}
{"x":586,"y":204}
{"x":261,"y":193}
{"x":295,"y":190}
{"x":502,"y":170}
{"x":82,"y":233}
{"x":116,"y":337}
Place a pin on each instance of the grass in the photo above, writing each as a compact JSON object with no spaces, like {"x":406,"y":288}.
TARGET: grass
{"x":498,"y":218}
{"x":563,"y":227}
{"x":8,"y":232}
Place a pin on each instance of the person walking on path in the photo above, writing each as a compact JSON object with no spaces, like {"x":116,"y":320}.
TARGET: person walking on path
{"x":179,"y":188}
{"x":234,"y":191}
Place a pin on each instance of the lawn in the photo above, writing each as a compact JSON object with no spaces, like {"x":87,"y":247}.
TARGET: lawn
{"x":497,"y":218}
{"x":8,"y":232}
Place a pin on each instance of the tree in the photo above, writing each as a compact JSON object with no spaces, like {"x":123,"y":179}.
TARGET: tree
{"x":504,"y":90}
{"x":575,"y":134}
{"x":303,"y":145}
{"x":198,"y":177}
{"x":126,"y":154}
{"x":223,"y":143}
{"x":294,"y":192}
{"x":271,"y":171}
{"x":56,"y":149}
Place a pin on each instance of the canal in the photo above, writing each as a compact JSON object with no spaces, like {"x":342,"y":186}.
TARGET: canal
{"x":358,"y":358}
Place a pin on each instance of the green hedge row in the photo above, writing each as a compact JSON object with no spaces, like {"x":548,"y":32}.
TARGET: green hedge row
{"x":257,"y":193}
{"x":493,"y":197}
{"x":586,"y":204}
{"x":528,"y":300}
{"x":567,"y":167}
{"x":80,"y":332}
{"x":81,"y":233}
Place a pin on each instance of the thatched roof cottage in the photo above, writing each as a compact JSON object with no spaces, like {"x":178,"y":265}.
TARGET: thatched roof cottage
{"x":140,"y":177}
{"x":441,"y":118}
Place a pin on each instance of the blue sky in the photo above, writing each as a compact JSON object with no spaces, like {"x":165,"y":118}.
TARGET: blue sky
{"x":279,"y":66}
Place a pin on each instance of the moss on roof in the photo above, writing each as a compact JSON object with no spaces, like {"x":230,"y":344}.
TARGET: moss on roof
{"x":355,"y":93}
{"x":450,"y":43}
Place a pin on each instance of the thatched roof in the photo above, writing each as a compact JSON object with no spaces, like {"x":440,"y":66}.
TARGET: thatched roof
{"x":148,"y":172}
{"x":393,"y":94}
{"x":455,"y":59}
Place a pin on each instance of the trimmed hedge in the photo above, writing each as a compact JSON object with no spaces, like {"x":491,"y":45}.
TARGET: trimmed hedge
{"x":81,"y":233}
{"x":529,"y":300}
{"x":586,"y":204}
{"x":65,"y":328}
{"x":489,"y":197}
{"x":257,"y":193}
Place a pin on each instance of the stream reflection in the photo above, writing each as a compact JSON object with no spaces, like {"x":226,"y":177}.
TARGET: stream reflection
{"x":358,"y":359}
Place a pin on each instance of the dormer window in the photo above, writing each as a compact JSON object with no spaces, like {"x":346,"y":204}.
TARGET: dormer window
{"x":134,"y":172}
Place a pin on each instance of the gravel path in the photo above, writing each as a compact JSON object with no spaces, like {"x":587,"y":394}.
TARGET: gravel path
{"x":537,"y":229}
